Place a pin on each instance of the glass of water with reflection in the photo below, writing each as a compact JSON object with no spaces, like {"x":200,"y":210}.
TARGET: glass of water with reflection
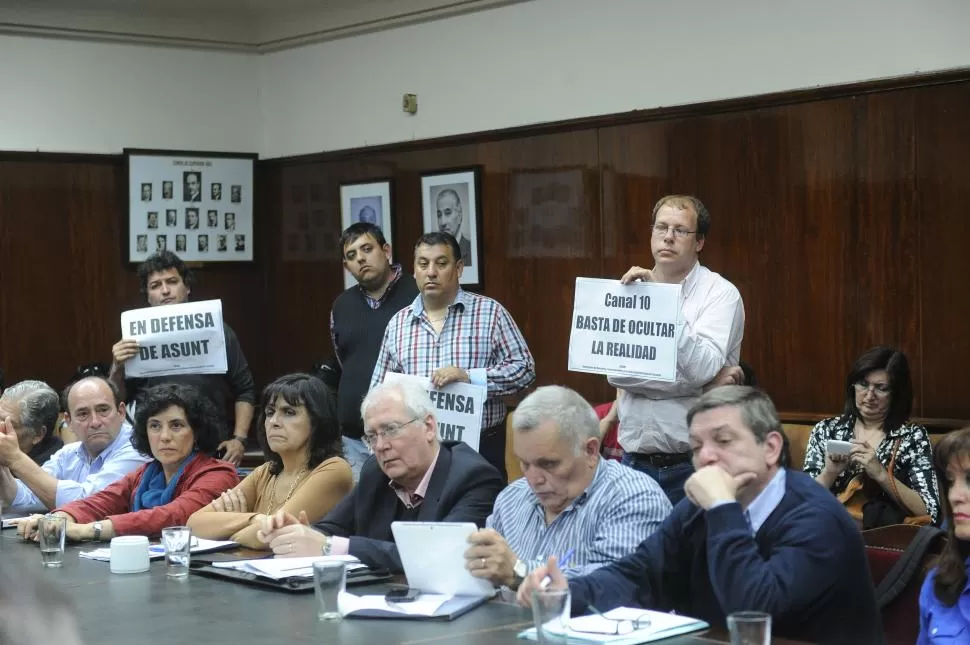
{"x":177,"y":541}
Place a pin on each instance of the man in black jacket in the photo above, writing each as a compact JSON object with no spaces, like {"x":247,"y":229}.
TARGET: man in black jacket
{"x":412,"y":477}
{"x":357,"y":323}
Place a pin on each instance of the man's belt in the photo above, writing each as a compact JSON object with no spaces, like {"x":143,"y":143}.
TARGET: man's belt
{"x":662,"y":459}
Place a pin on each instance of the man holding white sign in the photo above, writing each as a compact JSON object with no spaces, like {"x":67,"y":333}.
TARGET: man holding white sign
{"x":454,"y":336}
{"x":165,"y":280}
{"x":653,"y":413}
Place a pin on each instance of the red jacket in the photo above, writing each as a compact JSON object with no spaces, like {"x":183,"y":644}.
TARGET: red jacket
{"x":203,"y":479}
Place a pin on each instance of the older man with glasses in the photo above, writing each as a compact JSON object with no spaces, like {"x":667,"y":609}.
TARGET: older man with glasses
{"x":412,"y":476}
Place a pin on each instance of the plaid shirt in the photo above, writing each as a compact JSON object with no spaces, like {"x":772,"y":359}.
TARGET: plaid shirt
{"x":478,"y":335}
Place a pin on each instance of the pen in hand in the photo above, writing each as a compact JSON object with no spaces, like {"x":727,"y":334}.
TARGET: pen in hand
{"x":563,"y":561}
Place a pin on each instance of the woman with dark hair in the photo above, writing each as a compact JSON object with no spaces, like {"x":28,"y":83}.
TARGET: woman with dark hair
{"x":887,"y":474}
{"x":178,"y":427}
{"x":942,"y":611}
{"x":304,"y":473}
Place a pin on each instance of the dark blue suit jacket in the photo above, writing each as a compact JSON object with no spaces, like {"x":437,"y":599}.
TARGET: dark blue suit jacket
{"x":806,"y":566}
{"x":463,"y":488}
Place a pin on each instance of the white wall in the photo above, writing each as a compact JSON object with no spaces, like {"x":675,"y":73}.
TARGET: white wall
{"x":549,"y":60}
{"x":75,"y":96}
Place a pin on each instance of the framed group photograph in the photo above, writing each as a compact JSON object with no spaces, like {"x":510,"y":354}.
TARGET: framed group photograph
{"x":188,"y":188}
{"x":368,"y":202}
{"x":450,"y":203}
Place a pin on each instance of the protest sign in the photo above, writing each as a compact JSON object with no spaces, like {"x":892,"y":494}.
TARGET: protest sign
{"x":176,"y":339}
{"x":629,"y":330}
{"x":458,"y":408}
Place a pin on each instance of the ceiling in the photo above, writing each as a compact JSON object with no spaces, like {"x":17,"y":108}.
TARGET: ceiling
{"x":246,"y":25}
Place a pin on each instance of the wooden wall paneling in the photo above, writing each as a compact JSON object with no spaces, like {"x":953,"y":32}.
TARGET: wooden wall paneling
{"x":943,"y":192}
{"x":881,"y":286}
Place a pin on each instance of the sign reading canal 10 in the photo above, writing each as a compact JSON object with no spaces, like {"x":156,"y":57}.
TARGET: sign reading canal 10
{"x":625,"y":330}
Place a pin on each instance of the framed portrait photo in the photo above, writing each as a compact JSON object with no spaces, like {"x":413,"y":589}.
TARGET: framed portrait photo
{"x":188,"y":188}
{"x":450,"y":203}
{"x":369,"y":203}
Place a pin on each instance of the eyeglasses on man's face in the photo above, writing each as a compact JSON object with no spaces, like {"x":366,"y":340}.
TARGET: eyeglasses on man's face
{"x":879,"y":389}
{"x":660,"y":230}
{"x":387,"y":433}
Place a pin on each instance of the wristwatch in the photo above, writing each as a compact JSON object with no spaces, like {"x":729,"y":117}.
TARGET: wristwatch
{"x":241,"y":440}
{"x":519,"y":570}
{"x":97,"y":531}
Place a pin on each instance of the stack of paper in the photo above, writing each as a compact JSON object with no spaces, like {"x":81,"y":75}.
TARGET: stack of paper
{"x":655,"y":625}
{"x":279,"y":568}
{"x":424,"y":605}
{"x":157,"y":551}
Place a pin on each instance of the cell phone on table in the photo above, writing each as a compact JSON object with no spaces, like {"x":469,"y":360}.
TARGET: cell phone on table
{"x":836,"y":447}
{"x":404,"y":594}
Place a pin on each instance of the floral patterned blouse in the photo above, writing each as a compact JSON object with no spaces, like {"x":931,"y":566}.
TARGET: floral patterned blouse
{"x":914,"y":461}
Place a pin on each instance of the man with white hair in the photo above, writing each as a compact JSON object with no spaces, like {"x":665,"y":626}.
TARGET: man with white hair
{"x":570,"y":500}
{"x":30,"y":409}
{"x":103,"y":455}
{"x":412,"y":477}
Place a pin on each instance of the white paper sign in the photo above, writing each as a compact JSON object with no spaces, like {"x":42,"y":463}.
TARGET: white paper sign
{"x":625,"y":329}
{"x":176,"y":339}
{"x":458,"y":408}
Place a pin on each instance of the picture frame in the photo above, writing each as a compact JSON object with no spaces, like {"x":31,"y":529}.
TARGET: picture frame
{"x":366,"y":202}
{"x":459,"y":194}
{"x":188,"y":187}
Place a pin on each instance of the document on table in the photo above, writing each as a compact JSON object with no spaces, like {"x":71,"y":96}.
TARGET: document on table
{"x":157,"y":551}
{"x":279,"y":568}
{"x":654,"y":625}
{"x":425,"y":607}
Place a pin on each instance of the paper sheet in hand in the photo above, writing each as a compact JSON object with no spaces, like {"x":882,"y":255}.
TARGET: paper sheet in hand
{"x":157,"y":551}
{"x":176,"y":339}
{"x":627,"y":330}
{"x":280,"y":568}
{"x":594,"y":629}
{"x":458,"y":408}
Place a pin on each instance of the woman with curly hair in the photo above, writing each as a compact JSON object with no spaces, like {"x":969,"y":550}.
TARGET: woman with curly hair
{"x":304,"y":471}
{"x":179,"y":428}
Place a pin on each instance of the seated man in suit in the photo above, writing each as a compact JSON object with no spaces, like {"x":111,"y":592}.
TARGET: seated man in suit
{"x":30,"y":409}
{"x":750,"y":535}
{"x":103,"y":455}
{"x":411,"y":477}
{"x":569,"y":499}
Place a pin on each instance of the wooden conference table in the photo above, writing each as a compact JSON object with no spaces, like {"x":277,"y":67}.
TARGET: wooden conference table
{"x":151,"y":608}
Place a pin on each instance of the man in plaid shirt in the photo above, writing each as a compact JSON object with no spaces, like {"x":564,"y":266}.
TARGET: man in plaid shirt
{"x":449,"y":335}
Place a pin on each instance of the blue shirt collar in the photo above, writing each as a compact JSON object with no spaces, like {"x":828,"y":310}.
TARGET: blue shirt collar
{"x":767,"y":501}
{"x":417,"y":307}
{"x":124,"y":436}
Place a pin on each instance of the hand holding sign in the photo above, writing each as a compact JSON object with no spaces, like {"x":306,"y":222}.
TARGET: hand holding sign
{"x":447,"y":375}
{"x":123,"y":350}
{"x":637,"y":273}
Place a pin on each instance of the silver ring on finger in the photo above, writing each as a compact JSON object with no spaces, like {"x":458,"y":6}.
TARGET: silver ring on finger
{"x":483,"y":563}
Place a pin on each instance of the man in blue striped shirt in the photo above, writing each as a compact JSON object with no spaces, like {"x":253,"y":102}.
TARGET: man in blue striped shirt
{"x":569,"y":500}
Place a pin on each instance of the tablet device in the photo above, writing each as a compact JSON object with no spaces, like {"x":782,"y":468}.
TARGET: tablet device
{"x":433,"y":556}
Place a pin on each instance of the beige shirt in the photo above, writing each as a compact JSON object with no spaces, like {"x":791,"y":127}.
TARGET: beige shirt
{"x":319,"y":492}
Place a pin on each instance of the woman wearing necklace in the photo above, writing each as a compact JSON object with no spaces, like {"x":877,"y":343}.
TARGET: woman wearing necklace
{"x":304,"y":470}
{"x":887,"y":477}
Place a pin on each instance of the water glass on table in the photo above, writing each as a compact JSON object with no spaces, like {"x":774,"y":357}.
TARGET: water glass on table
{"x":749,"y":628}
{"x":177,"y":541}
{"x":550,"y":611}
{"x":329,"y":580}
{"x":51,"y":530}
